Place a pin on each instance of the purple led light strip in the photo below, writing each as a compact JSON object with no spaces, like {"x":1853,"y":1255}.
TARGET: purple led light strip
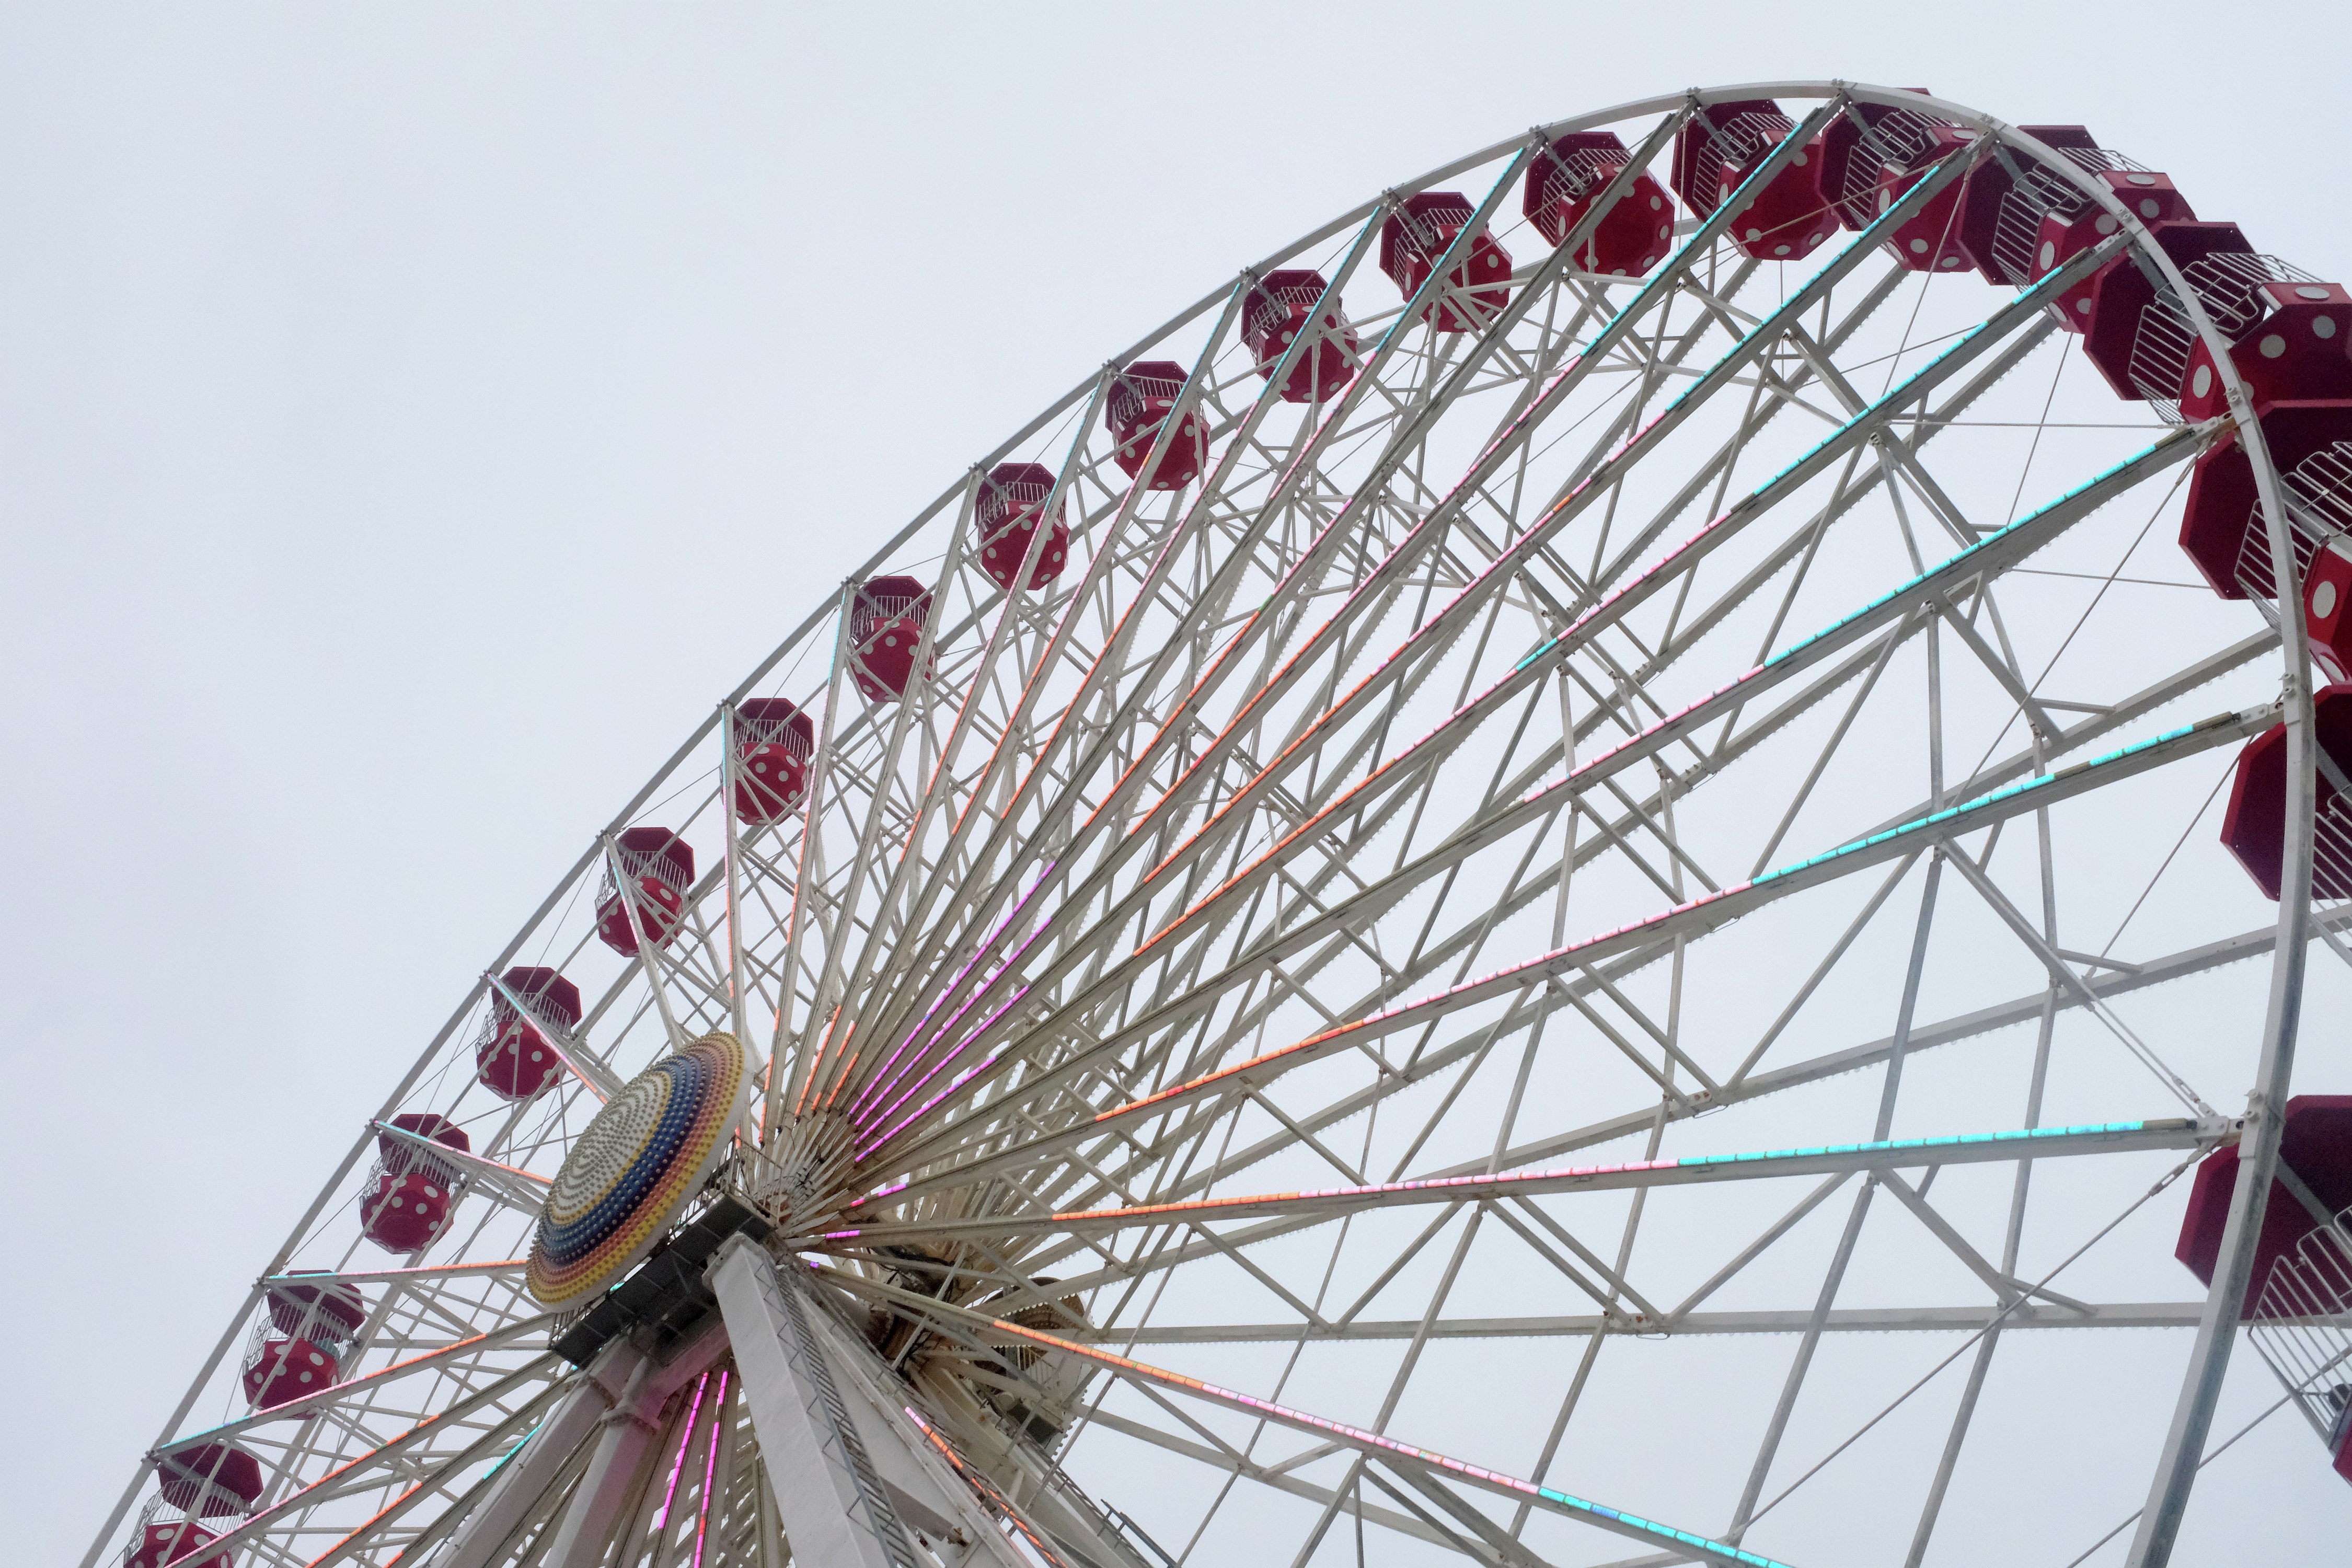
{"x":864,"y":1111}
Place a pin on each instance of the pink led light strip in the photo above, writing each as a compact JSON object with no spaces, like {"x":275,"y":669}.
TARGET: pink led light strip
{"x":709,"y":1469}
{"x":678,"y":1465}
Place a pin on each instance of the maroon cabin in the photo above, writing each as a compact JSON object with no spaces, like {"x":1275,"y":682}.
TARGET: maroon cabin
{"x":1567,"y":178}
{"x":2009,"y":194}
{"x":1858,"y":144}
{"x":1929,"y":239}
{"x":2323,"y":485}
{"x":302,"y":1340}
{"x":1005,"y":521}
{"x":1141,"y":398}
{"x":2290,"y":334}
{"x":659,"y":865}
{"x":2327,"y":604}
{"x":2138,"y":334}
{"x":210,"y":1481}
{"x":2073,"y":223}
{"x":2318,"y":1147}
{"x":886,"y":616}
{"x":285,"y":1372}
{"x":2220,"y":528}
{"x":1277,"y":309}
{"x":410,"y":1194}
{"x":774,"y":741}
{"x":1720,"y":146}
{"x":1418,"y":232}
{"x":2254,"y":827}
{"x":513,"y":1059}
{"x":1876,"y":153}
{"x":178,"y":1542}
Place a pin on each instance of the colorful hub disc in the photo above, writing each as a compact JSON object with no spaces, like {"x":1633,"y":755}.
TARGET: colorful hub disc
{"x":637,"y":1164}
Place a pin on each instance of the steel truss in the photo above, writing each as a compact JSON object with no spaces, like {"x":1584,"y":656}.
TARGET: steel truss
{"x":1223,"y":944}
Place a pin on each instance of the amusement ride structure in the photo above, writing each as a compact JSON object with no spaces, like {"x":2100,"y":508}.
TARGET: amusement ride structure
{"x":1535,"y":875}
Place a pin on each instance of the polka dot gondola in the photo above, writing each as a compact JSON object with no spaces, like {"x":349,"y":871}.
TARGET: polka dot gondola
{"x":637,"y":1162}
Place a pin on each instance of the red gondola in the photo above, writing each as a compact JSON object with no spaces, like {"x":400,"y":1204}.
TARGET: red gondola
{"x":659,"y":865}
{"x":887,"y":618}
{"x":774,"y":743}
{"x":411,"y":1193}
{"x":1567,"y":178}
{"x":1004,"y":520}
{"x":1418,"y":232}
{"x":1716,"y":151}
{"x":1141,"y":398}
{"x":513,"y":1059}
{"x":1276,"y":312}
{"x":302,"y":1340}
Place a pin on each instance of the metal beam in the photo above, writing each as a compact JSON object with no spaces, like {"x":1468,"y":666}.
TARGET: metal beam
{"x":1550,"y":1499}
{"x":850,"y":1478}
{"x":431,"y":1361}
{"x":526,"y":1474}
{"x":1712,"y":911}
{"x":2211,"y":956}
{"x":1330,"y":1203}
{"x":1842,"y":1320}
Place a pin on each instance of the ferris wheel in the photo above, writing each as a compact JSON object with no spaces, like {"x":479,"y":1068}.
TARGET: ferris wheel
{"x":1541,"y":886}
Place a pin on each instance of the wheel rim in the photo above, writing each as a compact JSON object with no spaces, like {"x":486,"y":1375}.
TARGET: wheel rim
{"x":1141,"y":892}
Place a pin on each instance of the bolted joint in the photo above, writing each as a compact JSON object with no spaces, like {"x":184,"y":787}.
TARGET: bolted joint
{"x":628,"y":1415}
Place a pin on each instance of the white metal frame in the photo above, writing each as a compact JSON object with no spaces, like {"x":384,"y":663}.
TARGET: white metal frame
{"x":1176,"y":869}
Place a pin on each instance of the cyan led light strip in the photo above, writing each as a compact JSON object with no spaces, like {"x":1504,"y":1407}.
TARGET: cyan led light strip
{"x":1534,"y":969}
{"x":1625,"y":1523}
{"x":1608,"y":761}
{"x":2041,"y":780}
{"x":1991,"y":541}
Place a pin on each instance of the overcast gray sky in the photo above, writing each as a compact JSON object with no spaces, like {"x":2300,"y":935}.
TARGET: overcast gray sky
{"x":364,"y":370}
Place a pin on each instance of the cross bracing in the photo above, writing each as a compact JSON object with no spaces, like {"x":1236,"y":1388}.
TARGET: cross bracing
{"x":1574,"y":733}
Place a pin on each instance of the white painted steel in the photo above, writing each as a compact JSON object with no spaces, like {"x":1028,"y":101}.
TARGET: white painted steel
{"x":1401,"y":801}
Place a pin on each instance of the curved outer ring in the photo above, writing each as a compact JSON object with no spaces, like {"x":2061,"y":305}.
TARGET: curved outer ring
{"x":2259,"y":1149}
